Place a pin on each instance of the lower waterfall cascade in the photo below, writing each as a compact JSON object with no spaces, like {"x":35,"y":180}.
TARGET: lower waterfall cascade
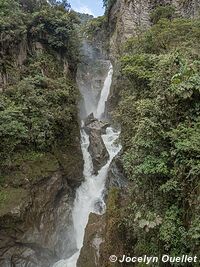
{"x":89,"y":196}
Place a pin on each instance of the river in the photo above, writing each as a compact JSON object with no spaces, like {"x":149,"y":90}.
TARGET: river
{"x":89,"y":196}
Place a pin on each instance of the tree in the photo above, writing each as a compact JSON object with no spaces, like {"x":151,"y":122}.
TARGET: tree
{"x":163,"y":12}
{"x":62,"y":3}
{"x":159,"y":113}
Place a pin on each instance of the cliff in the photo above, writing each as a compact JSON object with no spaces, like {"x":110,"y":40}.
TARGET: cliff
{"x":128,"y":18}
{"x":41,"y":160}
{"x":156,"y":118}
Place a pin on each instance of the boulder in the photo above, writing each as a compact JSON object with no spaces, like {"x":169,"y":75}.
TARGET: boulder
{"x":90,"y":254}
{"x":91,"y":123}
{"x":90,"y":118}
{"x":97,"y":150}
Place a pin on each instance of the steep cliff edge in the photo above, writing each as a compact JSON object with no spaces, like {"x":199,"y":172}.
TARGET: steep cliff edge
{"x":152,"y":109}
{"x":40,"y":161}
{"x":154,"y":96}
{"x":128,"y":18}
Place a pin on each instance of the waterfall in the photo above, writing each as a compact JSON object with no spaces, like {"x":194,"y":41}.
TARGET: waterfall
{"x":104,"y":94}
{"x":89,"y":195}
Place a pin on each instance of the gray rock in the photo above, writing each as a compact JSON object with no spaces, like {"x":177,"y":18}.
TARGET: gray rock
{"x":89,"y":119}
{"x":97,"y":150}
{"x":127,"y":18}
{"x":42,"y":232}
{"x":90,"y":254}
{"x":116,"y":175}
{"x":96,"y":125}
{"x":92,"y":123}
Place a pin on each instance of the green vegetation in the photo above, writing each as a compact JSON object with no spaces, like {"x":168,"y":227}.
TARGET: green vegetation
{"x":96,"y":32}
{"x":163,"y":12}
{"x":108,"y":4}
{"x":25,"y":22}
{"x":84,"y":18}
{"x":35,"y":114}
{"x":159,"y":113}
{"x":96,"y":25}
{"x":38,"y":115}
{"x":11,"y":197}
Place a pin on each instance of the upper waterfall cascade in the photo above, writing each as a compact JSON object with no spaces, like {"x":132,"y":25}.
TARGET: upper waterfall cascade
{"x":104,"y":94}
{"x":90,"y":193}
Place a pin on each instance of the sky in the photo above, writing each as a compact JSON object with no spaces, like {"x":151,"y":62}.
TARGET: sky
{"x":93,"y":7}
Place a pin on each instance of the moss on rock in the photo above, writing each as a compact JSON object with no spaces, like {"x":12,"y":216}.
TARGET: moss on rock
{"x":11,"y":199}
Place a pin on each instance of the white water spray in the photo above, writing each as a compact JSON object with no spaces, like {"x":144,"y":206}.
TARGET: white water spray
{"x":104,"y":94}
{"x":89,"y":195}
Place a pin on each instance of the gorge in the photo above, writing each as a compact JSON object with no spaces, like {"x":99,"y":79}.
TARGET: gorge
{"x":100,"y":133}
{"x":90,"y":195}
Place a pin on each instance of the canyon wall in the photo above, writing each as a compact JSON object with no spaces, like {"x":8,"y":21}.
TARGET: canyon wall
{"x":41,"y":168}
{"x":127,"y":18}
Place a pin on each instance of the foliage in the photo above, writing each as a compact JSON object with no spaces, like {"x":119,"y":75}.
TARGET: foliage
{"x":96,"y":31}
{"x":36,"y":114}
{"x":12,"y":23}
{"x":95,"y":25}
{"x":52,"y":26}
{"x":84,"y":18}
{"x":167,"y":35}
{"x":39,"y":54}
{"x":163,"y":12}
{"x":108,"y":4}
{"x":28,"y":22}
{"x":159,"y":113}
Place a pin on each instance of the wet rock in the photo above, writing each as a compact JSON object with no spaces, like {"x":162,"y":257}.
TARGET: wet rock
{"x":97,"y":149}
{"x":43,"y":232}
{"x":89,"y":119}
{"x":116,"y":175}
{"x":91,"y":123}
{"x":99,"y":206}
{"x":98,"y":126}
{"x":90,"y":254}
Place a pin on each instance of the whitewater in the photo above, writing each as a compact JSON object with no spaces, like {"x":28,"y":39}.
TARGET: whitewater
{"x":90,"y":193}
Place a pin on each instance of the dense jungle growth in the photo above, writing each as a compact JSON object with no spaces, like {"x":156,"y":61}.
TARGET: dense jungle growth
{"x":38,"y":103}
{"x":156,"y":92}
{"x":159,"y":113}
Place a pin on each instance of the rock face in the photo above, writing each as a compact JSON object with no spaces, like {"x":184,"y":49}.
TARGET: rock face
{"x":188,"y":9}
{"x":125,"y":19}
{"x":39,"y":231}
{"x":91,"y":75}
{"x":19,"y":54}
{"x":94,"y":238}
{"x":116,"y":175}
{"x":129,"y":17}
{"x":97,"y":149}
